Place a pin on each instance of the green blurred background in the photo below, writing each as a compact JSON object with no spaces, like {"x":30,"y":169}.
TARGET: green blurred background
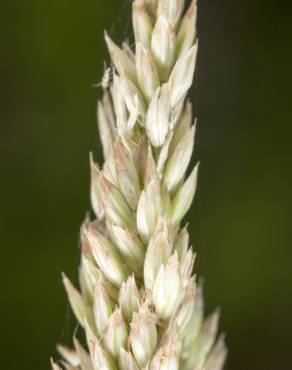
{"x":52,"y":54}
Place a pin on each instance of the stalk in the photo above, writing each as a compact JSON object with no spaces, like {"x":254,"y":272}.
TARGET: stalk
{"x":139,"y":303}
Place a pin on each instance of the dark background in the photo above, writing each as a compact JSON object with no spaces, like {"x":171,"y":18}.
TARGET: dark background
{"x":52,"y":53}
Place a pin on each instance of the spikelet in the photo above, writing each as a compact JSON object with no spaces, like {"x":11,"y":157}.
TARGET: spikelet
{"x":139,"y":303}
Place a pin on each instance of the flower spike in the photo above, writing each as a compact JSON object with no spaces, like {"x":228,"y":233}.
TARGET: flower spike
{"x":139,"y":302}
